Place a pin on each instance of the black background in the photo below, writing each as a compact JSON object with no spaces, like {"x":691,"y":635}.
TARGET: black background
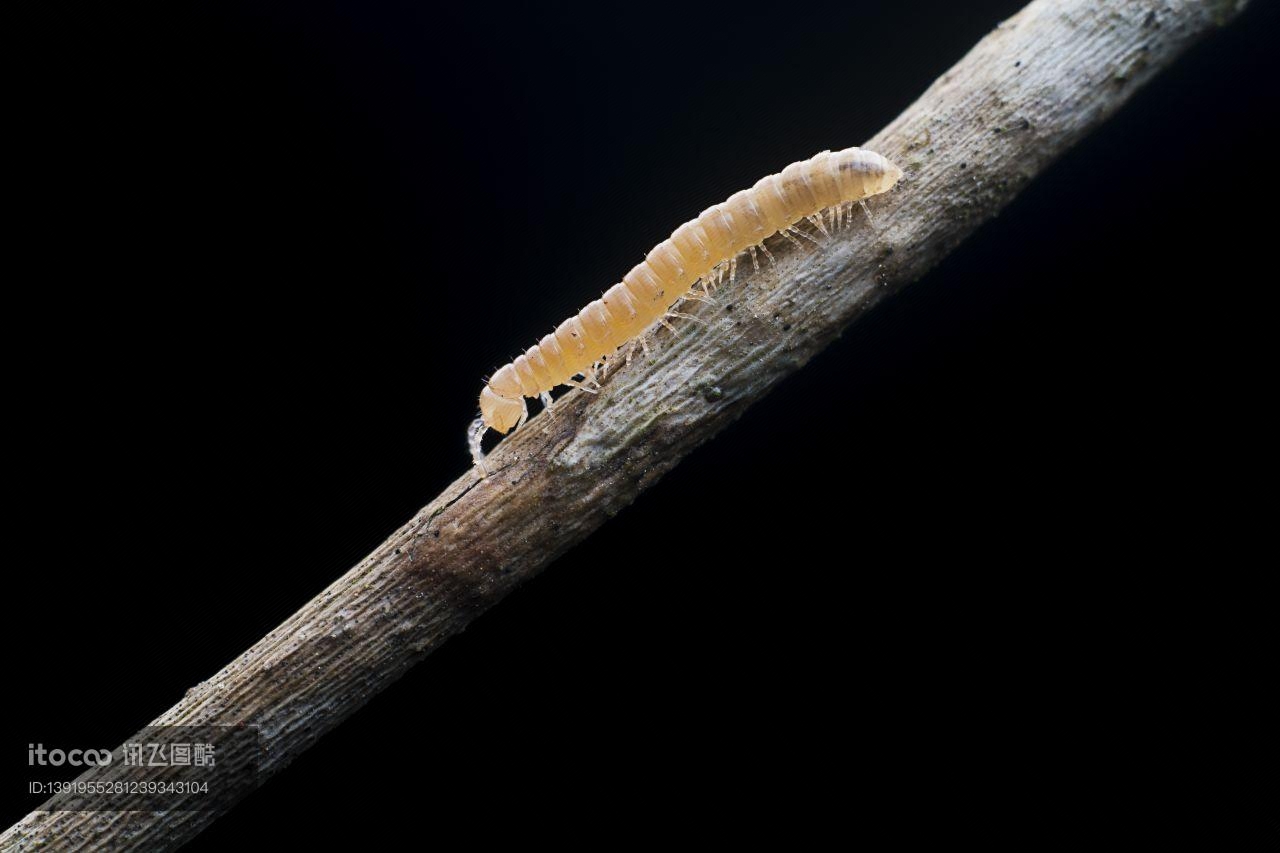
{"x":262,"y":254}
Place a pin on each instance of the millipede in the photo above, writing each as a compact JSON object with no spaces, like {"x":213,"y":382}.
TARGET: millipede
{"x":699,"y":252}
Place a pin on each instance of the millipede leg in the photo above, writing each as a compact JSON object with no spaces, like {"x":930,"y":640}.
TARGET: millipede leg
{"x":870,"y":221}
{"x":573,"y":383}
{"x":817,"y":223}
{"x":733,"y":269}
{"x":805,"y":234}
{"x":768,"y":254}
{"x":684,"y":316}
{"x":786,"y":232}
{"x":755,"y":259}
{"x":808,"y":236}
{"x":545,"y":397}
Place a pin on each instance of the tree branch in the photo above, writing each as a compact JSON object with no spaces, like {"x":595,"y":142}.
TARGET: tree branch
{"x":1019,"y":99}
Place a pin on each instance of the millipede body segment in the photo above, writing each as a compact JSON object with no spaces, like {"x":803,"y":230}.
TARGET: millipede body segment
{"x":646,"y":294}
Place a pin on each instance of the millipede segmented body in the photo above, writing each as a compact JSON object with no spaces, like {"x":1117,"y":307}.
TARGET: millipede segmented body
{"x":646,"y":295}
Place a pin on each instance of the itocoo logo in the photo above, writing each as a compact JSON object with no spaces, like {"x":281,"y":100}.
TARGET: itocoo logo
{"x":37,"y":754}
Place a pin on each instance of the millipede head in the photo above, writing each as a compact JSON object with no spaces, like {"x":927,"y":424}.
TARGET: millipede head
{"x":501,"y":413}
{"x":893,"y":175}
{"x":889,"y":175}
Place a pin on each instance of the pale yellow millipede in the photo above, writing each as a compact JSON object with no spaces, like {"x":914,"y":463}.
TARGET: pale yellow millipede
{"x":701,"y":247}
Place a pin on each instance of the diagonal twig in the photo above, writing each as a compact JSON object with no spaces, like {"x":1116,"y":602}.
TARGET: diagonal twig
{"x":1019,"y":99}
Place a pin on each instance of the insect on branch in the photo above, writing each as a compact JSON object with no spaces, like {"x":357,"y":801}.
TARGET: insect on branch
{"x":573,"y":467}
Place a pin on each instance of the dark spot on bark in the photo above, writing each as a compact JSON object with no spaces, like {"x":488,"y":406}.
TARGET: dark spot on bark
{"x":712,"y":393}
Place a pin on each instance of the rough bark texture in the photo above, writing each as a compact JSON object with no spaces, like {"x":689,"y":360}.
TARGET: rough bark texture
{"x":1022,"y":96}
